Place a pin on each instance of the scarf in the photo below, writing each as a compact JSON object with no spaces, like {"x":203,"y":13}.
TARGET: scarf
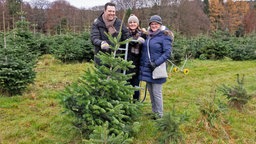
{"x":135,"y":34}
{"x":135,"y":48}
{"x":151,"y":33}
{"x":109,"y":25}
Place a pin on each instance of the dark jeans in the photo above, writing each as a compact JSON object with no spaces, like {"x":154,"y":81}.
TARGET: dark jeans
{"x":134,"y":81}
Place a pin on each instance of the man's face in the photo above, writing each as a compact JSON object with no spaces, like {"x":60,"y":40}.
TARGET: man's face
{"x":110,"y":13}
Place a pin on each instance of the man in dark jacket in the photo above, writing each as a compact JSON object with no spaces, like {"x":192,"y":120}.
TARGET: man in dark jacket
{"x":109,"y":23}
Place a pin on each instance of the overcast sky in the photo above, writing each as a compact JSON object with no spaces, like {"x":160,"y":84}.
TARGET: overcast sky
{"x":82,"y":3}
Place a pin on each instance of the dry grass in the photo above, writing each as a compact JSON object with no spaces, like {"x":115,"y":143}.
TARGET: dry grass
{"x":37,"y":116}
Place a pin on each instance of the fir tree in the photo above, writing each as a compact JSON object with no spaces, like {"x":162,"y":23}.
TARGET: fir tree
{"x":103,"y":95}
{"x":17,"y":60}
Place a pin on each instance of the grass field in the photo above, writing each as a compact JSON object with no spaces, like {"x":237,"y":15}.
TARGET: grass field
{"x":38,"y":117}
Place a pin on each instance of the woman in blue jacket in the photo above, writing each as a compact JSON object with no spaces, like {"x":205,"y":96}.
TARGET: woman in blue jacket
{"x":159,"y":45}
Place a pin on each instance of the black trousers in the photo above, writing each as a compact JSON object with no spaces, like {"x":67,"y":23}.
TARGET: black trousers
{"x":135,"y":82}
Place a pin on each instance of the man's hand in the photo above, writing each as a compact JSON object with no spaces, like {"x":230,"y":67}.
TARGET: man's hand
{"x":104,"y":45}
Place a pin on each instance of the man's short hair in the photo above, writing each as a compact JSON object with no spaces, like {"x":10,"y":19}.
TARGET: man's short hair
{"x":109,"y":4}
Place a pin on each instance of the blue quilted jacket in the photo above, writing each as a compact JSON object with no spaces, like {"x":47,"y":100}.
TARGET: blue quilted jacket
{"x":160,"y":46}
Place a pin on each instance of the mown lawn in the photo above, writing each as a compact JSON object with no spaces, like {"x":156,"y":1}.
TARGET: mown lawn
{"x":38,"y":117}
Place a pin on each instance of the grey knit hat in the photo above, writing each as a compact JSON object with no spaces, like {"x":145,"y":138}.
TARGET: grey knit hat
{"x":155,"y":18}
{"x":133,"y":18}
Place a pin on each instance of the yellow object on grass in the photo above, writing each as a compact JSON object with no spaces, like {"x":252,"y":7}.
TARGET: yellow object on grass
{"x":175,"y":69}
{"x":185,"y":71}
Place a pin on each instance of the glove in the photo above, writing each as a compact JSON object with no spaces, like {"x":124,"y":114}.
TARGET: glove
{"x":152,"y":65}
{"x":143,"y":30}
{"x":104,"y":45}
{"x":141,"y":40}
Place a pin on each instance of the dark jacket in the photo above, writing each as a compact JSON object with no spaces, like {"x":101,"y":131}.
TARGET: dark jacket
{"x":132,"y":56}
{"x":160,"y":46}
{"x":98,"y":34}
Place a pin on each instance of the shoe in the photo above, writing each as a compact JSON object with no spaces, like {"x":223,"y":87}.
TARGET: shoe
{"x":153,"y":116}
{"x":156,"y":116}
{"x":150,"y":114}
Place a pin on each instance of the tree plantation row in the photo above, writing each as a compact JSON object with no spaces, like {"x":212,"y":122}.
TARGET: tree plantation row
{"x":20,"y":48}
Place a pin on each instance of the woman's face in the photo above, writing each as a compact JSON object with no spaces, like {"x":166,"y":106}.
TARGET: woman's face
{"x":154,"y":26}
{"x":132,"y":25}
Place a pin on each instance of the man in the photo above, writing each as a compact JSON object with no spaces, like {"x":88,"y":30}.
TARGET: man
{"x":109,"y":23}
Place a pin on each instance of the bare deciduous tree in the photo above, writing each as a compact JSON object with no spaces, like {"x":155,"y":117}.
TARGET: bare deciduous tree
{"x":250,"y":21}
{"x":37,"y":15}
{"x":40,"y":4}
{"x":189,"y":17}
{"x":125,"y":4}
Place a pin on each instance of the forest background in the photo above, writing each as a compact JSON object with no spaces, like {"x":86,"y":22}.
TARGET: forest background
{"x":188,"y":17}
{"x":45,"y":47}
